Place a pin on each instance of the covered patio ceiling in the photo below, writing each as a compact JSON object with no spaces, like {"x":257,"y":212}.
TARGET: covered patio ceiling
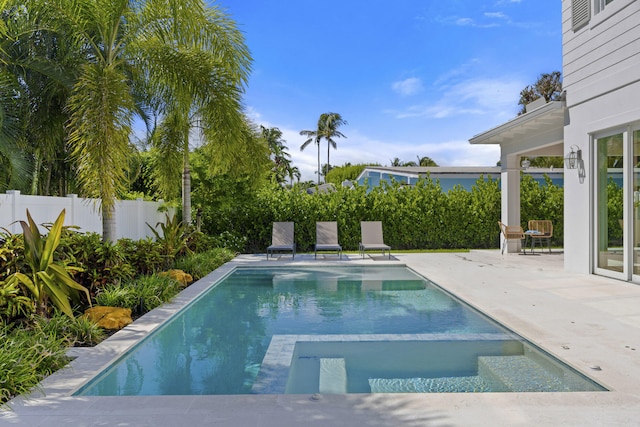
{"x":539,"y":132}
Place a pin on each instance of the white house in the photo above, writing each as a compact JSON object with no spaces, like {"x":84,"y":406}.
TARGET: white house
{"x":597,"y":126}
{"x":447,"y":176}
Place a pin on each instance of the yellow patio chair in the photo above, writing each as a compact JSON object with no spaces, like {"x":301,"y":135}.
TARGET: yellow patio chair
{"x":540,"y":230}
{"x":510,"y":232}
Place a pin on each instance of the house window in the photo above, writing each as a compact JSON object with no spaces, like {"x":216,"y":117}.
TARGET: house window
{"x":600,"y":5}
{"x":581,"y":13}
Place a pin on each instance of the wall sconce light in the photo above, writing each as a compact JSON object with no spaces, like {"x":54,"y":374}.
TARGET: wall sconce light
{"x":573,"y":159}
{"x":525,"y":164}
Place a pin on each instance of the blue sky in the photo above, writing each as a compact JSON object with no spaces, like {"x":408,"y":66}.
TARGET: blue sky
{"x":411,"y":77}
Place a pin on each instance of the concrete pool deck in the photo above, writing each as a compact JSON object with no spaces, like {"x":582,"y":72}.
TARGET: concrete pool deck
{"x":590,"y":322}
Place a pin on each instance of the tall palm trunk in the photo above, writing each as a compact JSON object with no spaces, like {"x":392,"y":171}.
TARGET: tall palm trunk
{"x":108,"y":222}
{"x":186,"y":184}
{"x":318,"y":162}
{"x":328,"y":150}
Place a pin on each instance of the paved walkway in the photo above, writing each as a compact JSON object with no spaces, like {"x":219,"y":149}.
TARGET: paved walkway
{"x":590,"y":322}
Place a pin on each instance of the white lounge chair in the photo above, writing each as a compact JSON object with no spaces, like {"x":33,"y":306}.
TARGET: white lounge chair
{"x":282,"y":239}
{"x":372,"y":238}
{"x":327,"y":238}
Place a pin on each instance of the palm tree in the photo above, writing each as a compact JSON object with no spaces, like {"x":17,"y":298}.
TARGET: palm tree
{"x":294,"y":172}
{"x":327,"y":128}
{"x":426,"y":161}
{"x":36,"y":72}
{"x":168,"y":55}
{"x":280,"y":157}
{"x":205,"y":66}
{"x":396,"y":162}
{"x":548,"y":86}
{"x":312,"y":136}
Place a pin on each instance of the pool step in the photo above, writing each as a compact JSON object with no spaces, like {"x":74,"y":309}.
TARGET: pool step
{"x":518,"y":374}
{"x":471,"y":384}
{"x":333,"y":375}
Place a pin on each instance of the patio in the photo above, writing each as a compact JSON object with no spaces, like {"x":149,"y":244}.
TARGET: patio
{"x":590,"y":322}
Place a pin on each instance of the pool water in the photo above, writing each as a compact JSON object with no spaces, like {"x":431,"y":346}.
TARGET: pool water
{"x":330,"y":330}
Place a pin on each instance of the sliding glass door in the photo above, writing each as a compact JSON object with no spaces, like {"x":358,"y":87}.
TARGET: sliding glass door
{"x":635,"y":223}
{"x":617,"y":204}
{"x":610,"y":203}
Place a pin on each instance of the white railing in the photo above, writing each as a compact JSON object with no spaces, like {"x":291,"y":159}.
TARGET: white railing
{"x":132,"y":216}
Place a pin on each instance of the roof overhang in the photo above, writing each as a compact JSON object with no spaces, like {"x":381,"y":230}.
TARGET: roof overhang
{"x":548,"y":117}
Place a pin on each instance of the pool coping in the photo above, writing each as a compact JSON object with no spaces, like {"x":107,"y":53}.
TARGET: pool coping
{"x":527,"y":294}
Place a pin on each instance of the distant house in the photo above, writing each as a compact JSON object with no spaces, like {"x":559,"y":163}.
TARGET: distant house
{"x":448,"y":177}
{"x":597,"y":129}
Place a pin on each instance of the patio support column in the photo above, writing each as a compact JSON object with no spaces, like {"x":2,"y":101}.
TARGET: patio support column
{"x":510,"y":197}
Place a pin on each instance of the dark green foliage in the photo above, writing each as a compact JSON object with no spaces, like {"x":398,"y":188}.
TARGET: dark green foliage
{"x":78,"y":331}
{"x":338,"y":174}
{"x":140,"y":295}
{"x":173,"y":238}
{"x":421,"y":216}
{"x":201,"y":264}
{"x":144,"y":256}
{"x":614,"y":212}
{"x":46,"y":279}
{"x":26,"y":357}
{"x":14,"y":303}
{"x":100,"y":262}
{"x":542,"y":202}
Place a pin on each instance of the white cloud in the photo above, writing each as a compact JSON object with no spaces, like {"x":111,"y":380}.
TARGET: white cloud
{"x":409,"y":86}
{"x":361,"y":148}
{"x":464,"y":22}
{"x":498,"y":15}
{"x":477,"y":96}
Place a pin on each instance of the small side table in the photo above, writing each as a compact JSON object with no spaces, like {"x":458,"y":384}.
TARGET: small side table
{"x":529,"y":234}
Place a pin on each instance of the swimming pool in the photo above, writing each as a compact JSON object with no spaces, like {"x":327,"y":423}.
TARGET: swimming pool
{"x":331,"y":330}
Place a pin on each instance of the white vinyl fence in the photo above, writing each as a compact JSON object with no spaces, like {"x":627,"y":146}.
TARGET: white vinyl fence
{"x":132,"y":216}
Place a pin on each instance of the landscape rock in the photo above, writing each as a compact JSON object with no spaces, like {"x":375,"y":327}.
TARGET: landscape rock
{"x":112,"y":318}
{"x":180,"y":276}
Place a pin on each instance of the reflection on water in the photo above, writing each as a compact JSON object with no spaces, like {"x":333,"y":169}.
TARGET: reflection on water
{"x":217,"y":344}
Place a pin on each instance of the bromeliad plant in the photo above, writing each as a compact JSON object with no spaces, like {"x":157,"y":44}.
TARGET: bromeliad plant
{"x":47,"y":279}
{"x":173,"y":239}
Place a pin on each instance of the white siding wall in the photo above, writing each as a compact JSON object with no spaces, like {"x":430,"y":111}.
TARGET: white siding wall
{"x":602,"y":55}
{"x":601,"y":75}
{"x":132,"y":216}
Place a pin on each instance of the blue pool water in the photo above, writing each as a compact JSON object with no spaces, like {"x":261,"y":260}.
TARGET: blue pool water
{"x":333,"y":330}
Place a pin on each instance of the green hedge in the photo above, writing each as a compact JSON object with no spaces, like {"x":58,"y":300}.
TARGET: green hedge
{"x":413,"y":217}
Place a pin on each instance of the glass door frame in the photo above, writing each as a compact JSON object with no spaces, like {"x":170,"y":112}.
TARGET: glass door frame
{"x":633,"y":135}
{"x":630,"y":170}
{"x":625,"y":274}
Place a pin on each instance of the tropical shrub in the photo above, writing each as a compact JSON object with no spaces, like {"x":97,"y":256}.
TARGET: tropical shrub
{"x":13,"y":304}
{"x":200,"y":242}
{"x":12,"y":248}
{"x":99,"y":262}
{"x":201,"y":264}
{"x":47,"y":280}
{"x":338,"y":174}
{"x":27,"y":355}
{"x":144,"y":256}
{"x":421,"y":216}
{"x":140,"y":295}
{"x":173,"y":239}
{"x":76,"y":332}
{"x":615,"y":212}
{"x":118,"y":295}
